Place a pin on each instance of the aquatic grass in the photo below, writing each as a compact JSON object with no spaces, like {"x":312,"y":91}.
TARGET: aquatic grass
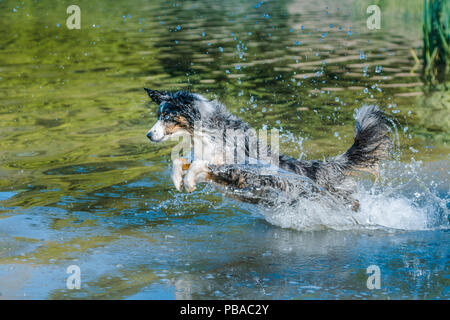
{"x":436,"y":42}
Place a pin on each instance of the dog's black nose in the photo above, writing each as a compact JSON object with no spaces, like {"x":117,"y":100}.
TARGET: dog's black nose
{"x":149,"y":135}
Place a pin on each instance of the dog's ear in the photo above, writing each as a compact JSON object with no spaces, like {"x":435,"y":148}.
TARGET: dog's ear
{"x":157,"y":96}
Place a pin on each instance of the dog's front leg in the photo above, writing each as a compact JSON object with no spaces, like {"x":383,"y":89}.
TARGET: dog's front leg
{"x":179,"y":165}
{"x":197,"y":170}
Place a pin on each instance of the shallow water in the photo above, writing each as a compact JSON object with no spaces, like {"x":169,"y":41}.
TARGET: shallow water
{"x":81,"y":185}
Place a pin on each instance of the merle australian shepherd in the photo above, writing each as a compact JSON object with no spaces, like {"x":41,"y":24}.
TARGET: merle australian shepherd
{"x":186,"y":113}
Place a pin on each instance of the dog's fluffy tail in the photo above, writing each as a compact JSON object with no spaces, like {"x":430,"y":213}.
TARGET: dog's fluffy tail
{"x":372,"y":141}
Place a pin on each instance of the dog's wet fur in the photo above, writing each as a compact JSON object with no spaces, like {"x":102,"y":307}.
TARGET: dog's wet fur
{"x":179,"y":111}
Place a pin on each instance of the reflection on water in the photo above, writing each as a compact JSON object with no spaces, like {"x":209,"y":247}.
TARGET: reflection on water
{"x":80,"y":184}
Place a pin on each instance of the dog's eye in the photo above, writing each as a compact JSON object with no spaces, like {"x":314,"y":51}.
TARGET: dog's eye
{"x":167,"y":117}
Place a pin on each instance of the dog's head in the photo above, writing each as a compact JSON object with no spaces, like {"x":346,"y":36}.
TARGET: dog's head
{"x":177,"y":113}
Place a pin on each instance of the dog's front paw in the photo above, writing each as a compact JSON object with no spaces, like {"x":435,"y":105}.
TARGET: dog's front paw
{"x":189,"y":183}
{"x":177,"y":173}
{"x":196,"y":171}
{"x":177,"y":181}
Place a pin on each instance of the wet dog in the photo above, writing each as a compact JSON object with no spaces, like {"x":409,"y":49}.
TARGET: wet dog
{"x":222,"y":136}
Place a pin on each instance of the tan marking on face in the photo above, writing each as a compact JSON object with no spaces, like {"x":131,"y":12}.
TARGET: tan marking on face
{"x":181,"y":123}
{"x":171,"y":128}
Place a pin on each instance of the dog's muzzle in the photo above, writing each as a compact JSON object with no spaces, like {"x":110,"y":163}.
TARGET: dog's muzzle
{"x":156,"y":133}
{"x":149,"y":135}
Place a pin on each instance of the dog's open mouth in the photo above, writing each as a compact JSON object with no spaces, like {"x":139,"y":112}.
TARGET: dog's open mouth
{"x":152,"y":139}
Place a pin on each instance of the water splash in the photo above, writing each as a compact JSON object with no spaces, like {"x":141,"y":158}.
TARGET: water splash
{"x":407,"y":197}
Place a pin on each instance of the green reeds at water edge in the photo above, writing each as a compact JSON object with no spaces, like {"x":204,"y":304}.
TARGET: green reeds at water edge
{"x":436,"y":42}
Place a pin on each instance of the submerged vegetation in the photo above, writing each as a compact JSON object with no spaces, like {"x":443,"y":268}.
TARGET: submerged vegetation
{"x":436,"y":42}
